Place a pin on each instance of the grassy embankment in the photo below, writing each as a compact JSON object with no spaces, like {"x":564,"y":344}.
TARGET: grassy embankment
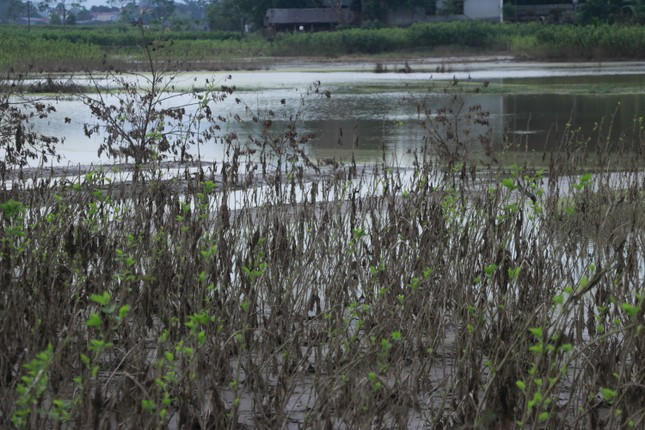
{"x":69,"y":49}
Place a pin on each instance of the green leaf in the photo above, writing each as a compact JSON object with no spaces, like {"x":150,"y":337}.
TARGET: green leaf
{"x":535,"y":401}
{"x":102,"y":299}
{"x":97,"y":345}
{"x":358,"y":233}
{"x":509,"y":183}
{"x":147,"y":405}
{"x":11,"y":209}
{"x":543,"y":417}
{"x":608,"y":394}
{"x":385,"y":344}
{"x":521,"y":385}
{"x":537,"y":348}
{"x":514,"y":273}
{"x":630,"y":309}
{"x":85,"y":359}
{"x":123,"y":311}
{"x":208,"y":186}
{"x":537,"y":332}
{"x":94,"y":321}
{"x":490,"y":269}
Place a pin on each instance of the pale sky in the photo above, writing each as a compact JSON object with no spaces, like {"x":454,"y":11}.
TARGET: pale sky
{"x":89,"y":3}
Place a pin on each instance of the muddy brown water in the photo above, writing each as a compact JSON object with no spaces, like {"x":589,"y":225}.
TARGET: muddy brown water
{"x":375,"y":114}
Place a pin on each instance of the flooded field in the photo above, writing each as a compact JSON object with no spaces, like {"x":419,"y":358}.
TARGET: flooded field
{"x":368,"y":114}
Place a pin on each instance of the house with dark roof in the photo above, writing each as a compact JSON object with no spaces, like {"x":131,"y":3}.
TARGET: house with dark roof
{"x":344,"y":12}
{"x":309,"y":19}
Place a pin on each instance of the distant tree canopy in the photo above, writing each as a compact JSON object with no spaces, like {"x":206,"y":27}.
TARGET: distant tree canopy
{"x":598,"y":11}
{"x":235,"y":14}
{"x":11,"y":10}
{"x":612,"y":11}
{"x":534,"y":2}
{"x":376,"y":9}
{"x":162,"y":9}
{"x":60,"y":11}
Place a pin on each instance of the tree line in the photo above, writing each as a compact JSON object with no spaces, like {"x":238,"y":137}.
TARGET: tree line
{"x":240,"y":14}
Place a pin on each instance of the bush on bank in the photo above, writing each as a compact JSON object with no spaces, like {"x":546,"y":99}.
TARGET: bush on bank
{"x":50,"y":47}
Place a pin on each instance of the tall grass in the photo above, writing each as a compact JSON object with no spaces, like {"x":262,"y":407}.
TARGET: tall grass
{"x":603,"y":41}
{"x":55,"y":48}
{"x":24,"y":53}
{"x":114,"y":36}
{"x":268,"y":290}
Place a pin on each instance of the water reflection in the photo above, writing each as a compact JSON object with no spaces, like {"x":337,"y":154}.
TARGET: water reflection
{"x":371,"y":122}
{"x":541,"y":120}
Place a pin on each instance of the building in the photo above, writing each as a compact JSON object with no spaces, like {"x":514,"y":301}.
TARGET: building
{"x":449,"y":10}
{"x":341,"y":12}
{"x":105,"y":17}
{"x":310,"y":19}
{"x":488,"y":10}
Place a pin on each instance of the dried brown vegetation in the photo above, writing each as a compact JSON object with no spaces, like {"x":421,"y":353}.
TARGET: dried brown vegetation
{"x":263,"y":292}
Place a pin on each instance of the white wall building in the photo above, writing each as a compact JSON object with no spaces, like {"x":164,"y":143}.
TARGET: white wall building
{"x":489,"y":10}
{"x":483,"y":10}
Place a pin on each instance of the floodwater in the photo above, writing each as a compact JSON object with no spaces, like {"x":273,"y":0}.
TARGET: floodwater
{"x":371,"y":115}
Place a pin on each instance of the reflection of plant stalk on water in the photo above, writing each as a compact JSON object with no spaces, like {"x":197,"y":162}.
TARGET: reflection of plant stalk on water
{"x":458,"y":293}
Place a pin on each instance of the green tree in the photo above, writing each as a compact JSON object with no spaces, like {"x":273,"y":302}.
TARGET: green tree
{"x":377,"y":9}
{"x":162,"y":9}
{"x":54,"y":19}
{"x":71,"y":19}
{"x":60,"y":8}
{"x":229,"y":14}
{"x":10,"y":10}
{"x":129,"y":11}
{"x":611,"y":11}
{"x":452,"y":7}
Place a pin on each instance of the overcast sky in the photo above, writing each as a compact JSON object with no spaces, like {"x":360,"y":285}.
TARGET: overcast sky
{"x":89,"y":3}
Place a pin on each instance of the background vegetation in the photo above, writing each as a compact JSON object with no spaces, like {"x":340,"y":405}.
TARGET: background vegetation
{"x":78,"y":49}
